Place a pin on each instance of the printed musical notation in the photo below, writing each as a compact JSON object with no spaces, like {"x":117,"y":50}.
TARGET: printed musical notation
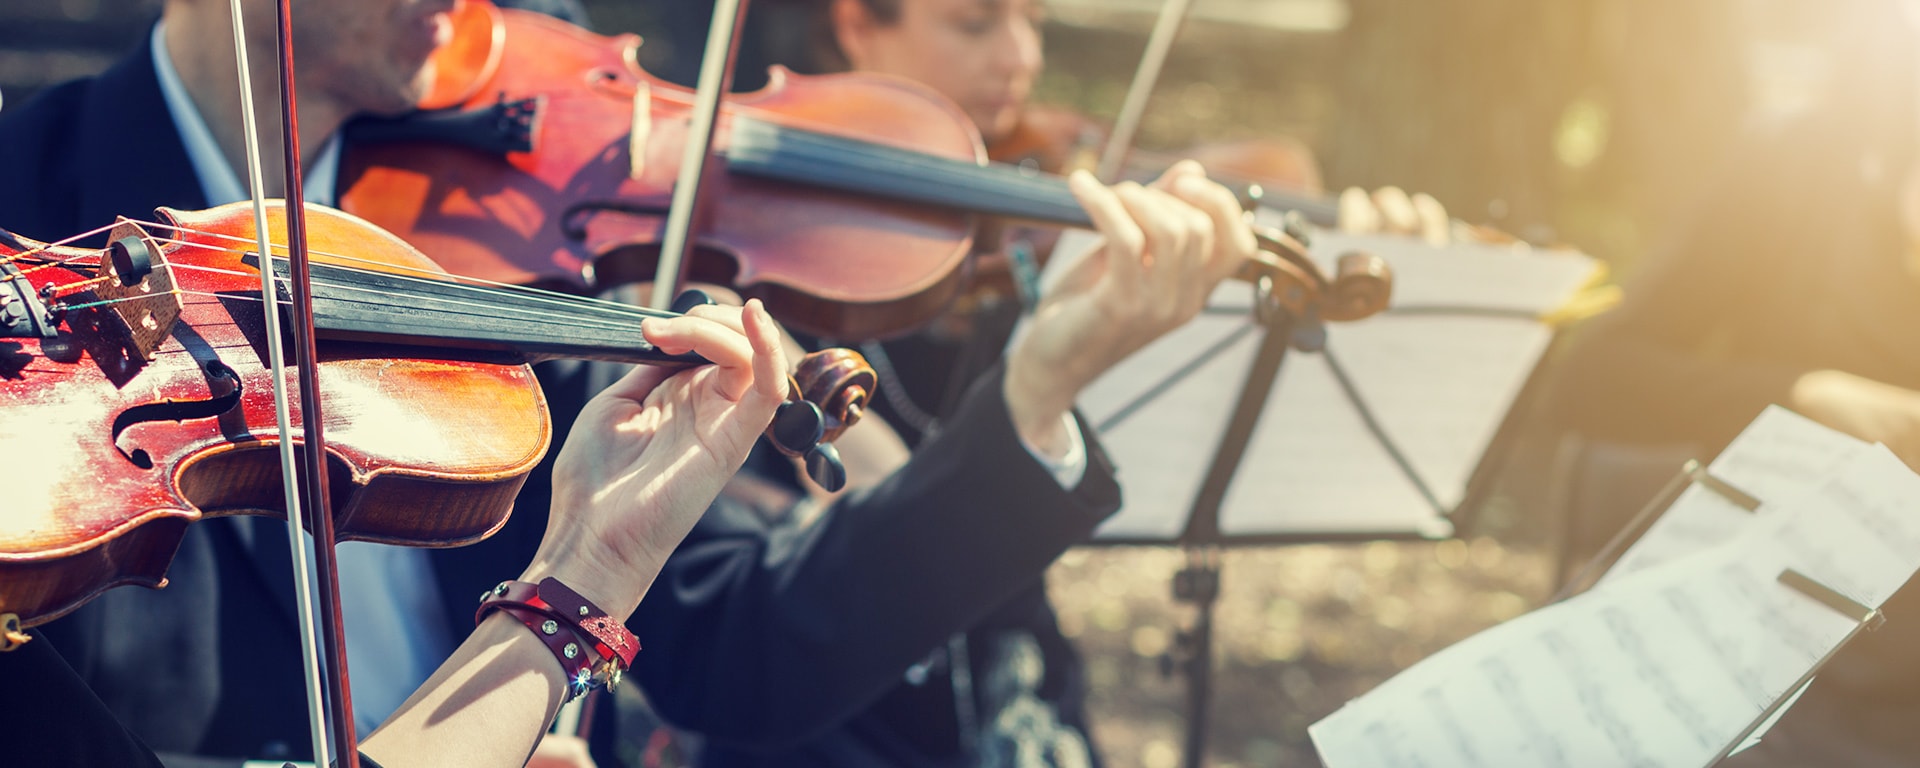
{"x":1673,"y":664}
{"x":1780,"y":455}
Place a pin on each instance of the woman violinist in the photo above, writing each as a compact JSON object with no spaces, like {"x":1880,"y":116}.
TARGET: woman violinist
{"x":906,"y":623}
{"x":643,"y":461}
{"x":214,"y":673}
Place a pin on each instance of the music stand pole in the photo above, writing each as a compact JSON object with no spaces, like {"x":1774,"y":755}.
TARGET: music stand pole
{"x":1199,"y":582}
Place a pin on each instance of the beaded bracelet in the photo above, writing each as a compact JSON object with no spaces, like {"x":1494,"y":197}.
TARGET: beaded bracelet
{"x":592,"y":647}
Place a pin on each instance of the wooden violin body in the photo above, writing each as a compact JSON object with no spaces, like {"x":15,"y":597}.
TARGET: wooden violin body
{"x":582,"y":204}
{"x":136,"y":398}
{"x":115,"y":455}
{"x":846,"y":202}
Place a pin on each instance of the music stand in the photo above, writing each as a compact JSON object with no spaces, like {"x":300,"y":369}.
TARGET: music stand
{"x":1376,"y":431}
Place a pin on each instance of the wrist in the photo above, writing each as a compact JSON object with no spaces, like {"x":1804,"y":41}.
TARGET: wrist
{"x":613,"y":585}
{"x":1037,"y":412}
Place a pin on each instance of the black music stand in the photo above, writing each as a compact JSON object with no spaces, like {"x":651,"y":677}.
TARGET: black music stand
{"x":1377,"y":431}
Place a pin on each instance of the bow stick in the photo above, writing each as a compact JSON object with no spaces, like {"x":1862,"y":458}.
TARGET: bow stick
{"x":1113,"y":157}
{"x":323,"y":646}
{"x":716,"y":78}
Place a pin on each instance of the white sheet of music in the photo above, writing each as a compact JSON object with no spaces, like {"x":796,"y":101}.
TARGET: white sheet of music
{"x":1664,"y":667}
{"x":1438,"y":378}
{"x":1778,"y":457}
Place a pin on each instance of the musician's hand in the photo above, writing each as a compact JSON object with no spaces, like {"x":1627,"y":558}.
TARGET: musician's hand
{"x":1864,"y":408}
{"x":870,"y":449}
{"x":556,"y":751}
{"x":648,"y":455}
{"x":1163,"y":248}
{"x":1391,"y":210}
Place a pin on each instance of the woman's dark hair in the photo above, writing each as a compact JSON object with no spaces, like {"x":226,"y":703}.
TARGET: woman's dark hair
{"x":825,"y":53}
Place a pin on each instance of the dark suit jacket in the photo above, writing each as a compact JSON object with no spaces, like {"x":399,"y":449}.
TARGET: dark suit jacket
{"x":759,"y":635}
{"x":210,"y":664}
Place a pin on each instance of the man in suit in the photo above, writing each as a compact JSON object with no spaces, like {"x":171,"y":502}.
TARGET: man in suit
{"x":776,"y":631}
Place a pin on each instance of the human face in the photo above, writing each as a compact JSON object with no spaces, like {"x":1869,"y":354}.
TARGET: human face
{"x":982,"y":54}
{"x":368,"y":55}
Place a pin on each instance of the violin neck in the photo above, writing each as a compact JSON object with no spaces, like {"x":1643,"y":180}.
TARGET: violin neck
{"x":769,"y":151}
{"x":526,"y":325}
{"x":765,"y":150}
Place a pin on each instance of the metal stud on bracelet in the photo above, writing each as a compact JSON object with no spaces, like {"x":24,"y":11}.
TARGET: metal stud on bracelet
{"x":550,"y":606}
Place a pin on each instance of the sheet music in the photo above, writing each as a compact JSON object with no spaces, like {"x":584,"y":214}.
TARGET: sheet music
{"x":1776,"y":458}
{"x":1587,"y":687}
{"x":1439,"y":371}
{"x":1667,"y":666}
{"x":1858,"y":532}
{"x":1516,"y":278}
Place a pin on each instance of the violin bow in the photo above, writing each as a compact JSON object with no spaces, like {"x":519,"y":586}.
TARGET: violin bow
{"x":1113,"y":158}
{"x":716,"y":78}
{"x":322,"y":644}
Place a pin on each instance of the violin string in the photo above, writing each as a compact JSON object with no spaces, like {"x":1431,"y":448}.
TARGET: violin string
{"x":44,"y":247}
{"x":621,"y":322}
{"x":620,"y":316}
{"x":624,"y":323}
{"x":845,"y":153}
{"x":938,"y":181}
{"x":69,"y":288}
{"x":568,"y":322}
{"x":429,"y":275}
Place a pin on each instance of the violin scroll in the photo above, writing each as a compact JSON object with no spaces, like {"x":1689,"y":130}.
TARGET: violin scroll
{"x":827,"y":393}
{"x":1290,"y":284}
{"x":1362,"y":285}
{"x":840,"y":381}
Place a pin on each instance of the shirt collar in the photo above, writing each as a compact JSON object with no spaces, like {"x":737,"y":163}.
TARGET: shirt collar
{"x":217,"y":178}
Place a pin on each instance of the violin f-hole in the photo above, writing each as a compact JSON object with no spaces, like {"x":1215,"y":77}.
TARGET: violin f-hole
{"x":220,"y":377}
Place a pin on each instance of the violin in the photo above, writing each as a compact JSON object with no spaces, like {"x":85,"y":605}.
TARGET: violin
{"x":137,"y":399}
{"x":847,"y":203}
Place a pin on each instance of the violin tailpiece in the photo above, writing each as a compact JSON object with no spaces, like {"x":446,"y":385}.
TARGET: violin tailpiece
{"x":140,"y":288}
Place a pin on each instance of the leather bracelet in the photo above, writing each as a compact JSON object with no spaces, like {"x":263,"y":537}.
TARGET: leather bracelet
{"x":592,"y":647}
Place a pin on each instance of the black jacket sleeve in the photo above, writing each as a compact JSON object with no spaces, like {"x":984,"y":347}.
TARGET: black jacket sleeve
{"x":761,"y":634}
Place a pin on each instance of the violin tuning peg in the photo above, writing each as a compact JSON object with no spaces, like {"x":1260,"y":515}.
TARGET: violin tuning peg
{"x":690,"y":298}
{"x":825,"y":467}
{"x":1250,"y":197}
{"x":1296,"y":226}
{"x":797,"y":427}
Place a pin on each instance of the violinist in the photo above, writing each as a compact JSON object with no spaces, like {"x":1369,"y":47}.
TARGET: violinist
{"x":794,"y":630}
{"x":214,"y":672}
{"x":635,"y":473}
{"x":906,"y":623}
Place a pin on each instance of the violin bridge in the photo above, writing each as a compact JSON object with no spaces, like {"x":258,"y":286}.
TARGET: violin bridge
{"x":140,"y":287}
{"x":640,"y":129}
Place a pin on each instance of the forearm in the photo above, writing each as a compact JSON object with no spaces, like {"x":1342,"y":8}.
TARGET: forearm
{"x":487,"y":705}
{"x":766,"y":637}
